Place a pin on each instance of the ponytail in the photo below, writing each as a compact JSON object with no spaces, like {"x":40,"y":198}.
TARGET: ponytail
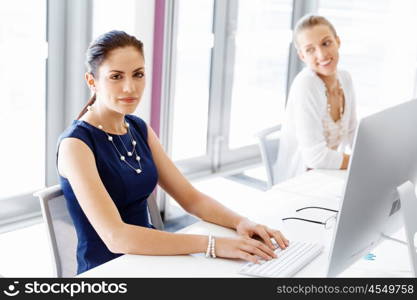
{"x":85,"y":108}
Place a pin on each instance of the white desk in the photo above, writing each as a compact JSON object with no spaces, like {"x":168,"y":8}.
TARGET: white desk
{"x":315,"y":188}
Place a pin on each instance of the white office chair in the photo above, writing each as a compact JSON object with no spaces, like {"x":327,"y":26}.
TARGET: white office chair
{"x":269,"y":145}
{"x":61,"y":231}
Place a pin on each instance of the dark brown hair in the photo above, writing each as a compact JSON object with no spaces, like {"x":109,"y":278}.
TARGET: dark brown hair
{"x":99,"y":50}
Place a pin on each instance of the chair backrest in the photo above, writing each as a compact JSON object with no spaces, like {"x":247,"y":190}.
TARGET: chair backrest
{"x":154,"y":213}
{"x":61,"y":231}
{"x":269,"y":145}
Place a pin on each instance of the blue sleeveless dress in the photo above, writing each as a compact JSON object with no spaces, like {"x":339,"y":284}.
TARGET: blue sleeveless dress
{"x":128,"y":189}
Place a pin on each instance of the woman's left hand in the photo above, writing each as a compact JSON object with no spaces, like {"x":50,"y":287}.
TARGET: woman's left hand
{"x":250,"y":229}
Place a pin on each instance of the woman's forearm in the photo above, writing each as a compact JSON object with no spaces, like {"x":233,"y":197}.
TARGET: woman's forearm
{"x":210,"y":210}
{"x":132,"y":239}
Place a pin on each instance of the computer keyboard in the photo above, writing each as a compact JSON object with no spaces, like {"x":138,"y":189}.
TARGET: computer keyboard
{"x":288,"y":262}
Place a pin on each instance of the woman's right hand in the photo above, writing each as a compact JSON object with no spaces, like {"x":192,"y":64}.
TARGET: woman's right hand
{"x":244,"y":248}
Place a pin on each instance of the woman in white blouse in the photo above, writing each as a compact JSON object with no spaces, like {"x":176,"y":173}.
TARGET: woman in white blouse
{"x":320,"y":118}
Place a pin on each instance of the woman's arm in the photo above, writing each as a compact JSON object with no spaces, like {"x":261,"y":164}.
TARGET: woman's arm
{"x":192,"y":200}
{"x":201,"y":205}
{"x":76,"y":162}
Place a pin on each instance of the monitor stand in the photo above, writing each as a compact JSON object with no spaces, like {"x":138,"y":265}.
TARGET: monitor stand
{"x":408,"y":200}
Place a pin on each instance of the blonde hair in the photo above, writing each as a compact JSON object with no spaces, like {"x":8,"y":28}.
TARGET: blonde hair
{"x":309,"y":21}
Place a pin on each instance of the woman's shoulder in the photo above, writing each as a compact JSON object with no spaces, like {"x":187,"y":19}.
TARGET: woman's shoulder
{"x":306,"y":79}
{"x":77,"y":128}
{"x":139,"y":124}
{"x":137,"y":121}
{"x":80,"y":130}
{"x":307,"y":85}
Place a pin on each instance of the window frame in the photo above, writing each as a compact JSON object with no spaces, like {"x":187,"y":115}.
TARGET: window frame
{"x":218,"y":159}
{"x":68,"y":32}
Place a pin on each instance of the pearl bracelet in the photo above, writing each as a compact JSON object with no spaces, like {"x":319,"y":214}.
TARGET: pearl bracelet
{"x":211,"y":247}
{"x":210,"y":238}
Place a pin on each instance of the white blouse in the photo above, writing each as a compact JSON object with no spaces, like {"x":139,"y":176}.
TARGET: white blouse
{"x":309,"y":136}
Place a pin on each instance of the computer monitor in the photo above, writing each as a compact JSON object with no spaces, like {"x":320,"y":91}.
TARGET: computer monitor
{"x":384,"y":157}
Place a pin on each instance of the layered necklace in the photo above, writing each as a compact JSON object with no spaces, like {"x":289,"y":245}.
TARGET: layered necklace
{"x":136,"y":166}
{"x":334,"y":131}
{"x":340,"y":96}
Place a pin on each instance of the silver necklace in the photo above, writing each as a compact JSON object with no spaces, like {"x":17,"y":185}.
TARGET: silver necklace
{"x":131,"y":153}
{"x":128,"y":153}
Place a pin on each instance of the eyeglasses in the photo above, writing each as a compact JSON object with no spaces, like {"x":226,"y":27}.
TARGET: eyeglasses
{"x":328,"y":223}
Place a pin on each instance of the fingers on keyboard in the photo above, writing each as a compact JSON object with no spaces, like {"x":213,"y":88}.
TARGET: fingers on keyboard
{"x":279,"y":238}
{"x":251,"y":249}
{"x":290,"y":260}
{"x":248,"y":257}
{"x":264,"y":248}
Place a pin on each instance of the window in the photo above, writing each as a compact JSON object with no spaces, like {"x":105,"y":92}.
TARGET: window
{"x":192,"y":78}
{"x":230,"y":78}
{"x":263,"y":38}
{"x":43,"y":89}
{"x":378,"y":48}
{"x":110,"y":15}
{"x":22,"y":82}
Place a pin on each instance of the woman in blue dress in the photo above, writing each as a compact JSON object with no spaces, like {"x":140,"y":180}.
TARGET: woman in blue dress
{"x":109,"y":162}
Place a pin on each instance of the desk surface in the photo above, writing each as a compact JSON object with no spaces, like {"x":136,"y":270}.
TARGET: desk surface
{"x":317,"y":188}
